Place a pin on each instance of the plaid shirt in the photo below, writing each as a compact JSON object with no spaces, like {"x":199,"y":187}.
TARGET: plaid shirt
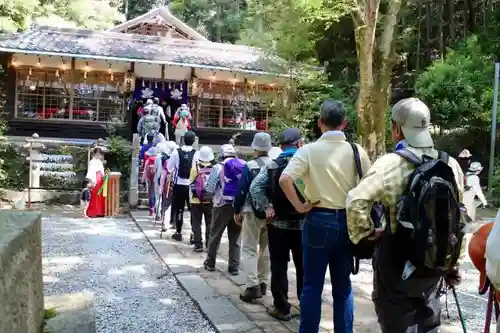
{"x":258,"y":194}
{"x":385,"y":182}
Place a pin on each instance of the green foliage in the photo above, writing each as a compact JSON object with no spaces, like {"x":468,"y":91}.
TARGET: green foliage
{"x":312,"y":89}
{"x":218,"y":20}
{"x":459,"y":90}
{"x":14,"y":169}
{"x":119,"y":155}
{"x":93,"y":14}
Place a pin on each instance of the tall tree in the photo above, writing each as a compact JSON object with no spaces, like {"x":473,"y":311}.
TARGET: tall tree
{"x":376,"y":57}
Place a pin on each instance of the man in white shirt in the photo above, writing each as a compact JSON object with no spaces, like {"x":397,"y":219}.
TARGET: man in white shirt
{"x":179,"y":165}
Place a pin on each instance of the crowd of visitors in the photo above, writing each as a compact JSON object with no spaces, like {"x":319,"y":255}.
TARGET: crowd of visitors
{"x":306,"y":202}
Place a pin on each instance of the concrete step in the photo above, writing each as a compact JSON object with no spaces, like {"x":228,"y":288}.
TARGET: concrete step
{"x":75,"y":313}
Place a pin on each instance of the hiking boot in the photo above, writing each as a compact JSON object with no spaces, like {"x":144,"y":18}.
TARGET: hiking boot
{"x":234,"y":271}
{"x":177,"y":236}
{"x":250,"y":294}
{"x":208,"y":267}
{"x":277,"y":314}
{"x":198,"y":248}
{"x":263,"y":288}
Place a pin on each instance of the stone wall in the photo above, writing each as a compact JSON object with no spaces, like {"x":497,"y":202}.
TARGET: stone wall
{"x":21,"y":277}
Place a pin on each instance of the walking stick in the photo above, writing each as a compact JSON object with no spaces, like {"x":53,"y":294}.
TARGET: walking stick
{"x":460,"y":315}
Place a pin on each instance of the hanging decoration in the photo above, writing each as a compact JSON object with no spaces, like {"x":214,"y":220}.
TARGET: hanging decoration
{"x":143,"y":84}
{"x":212,"y":79}
{"x":193,"y":86}
{"x":233,"y":81}
{"x":38,"y":63}
{"x":156,"y":84}
{"x":130,"y":81}
{"x":111,"y":75}
{"x":13,"y":62}
{"x":57,"y":73}
{"x":63,"y":64}
{"x":30,"y":72}
{"x":180,"y":87}
{"x":86,"y":70}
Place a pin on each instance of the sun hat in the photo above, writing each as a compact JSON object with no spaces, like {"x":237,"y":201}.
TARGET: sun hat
{"x":161,"y":147}
{"x":465,"y":154}
{"x":170,"y":147}
{"x":290,"y":135}
{"x":149,"y":101}
{"x":274,"y":152}
{"x":475,"y":167}
{"x":262,"y":142}
{"x":206,"y":154}
{"x":414,"y":118}
{"x":227,"y":150}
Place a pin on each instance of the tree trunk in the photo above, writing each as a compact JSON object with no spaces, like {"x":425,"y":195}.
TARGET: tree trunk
{"x":451,"y":15}
{"x":374,"y":75}
{"x":419,"y":37}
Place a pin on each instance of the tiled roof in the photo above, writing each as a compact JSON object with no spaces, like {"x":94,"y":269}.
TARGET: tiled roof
{"x":133,"y":47}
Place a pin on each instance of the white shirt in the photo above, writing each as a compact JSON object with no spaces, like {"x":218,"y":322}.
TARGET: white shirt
{"x":472,"y":181}
{"x":95,"y":166}
{"x":173,"y":164}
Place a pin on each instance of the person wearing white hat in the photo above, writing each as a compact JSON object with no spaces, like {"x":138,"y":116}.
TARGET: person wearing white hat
{"x":222,"y":188}
{"x":473,"y":189}
{"x":201,"y":200}
{"x":464,"y":159}
{"x":284,"y":223}
{"x":166,"y":150}
{"x":255,"y":254}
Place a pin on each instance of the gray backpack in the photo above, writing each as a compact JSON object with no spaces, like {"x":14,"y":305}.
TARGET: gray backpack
{"x":150,"y":124}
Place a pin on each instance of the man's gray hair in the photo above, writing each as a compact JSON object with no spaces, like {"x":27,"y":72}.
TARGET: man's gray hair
{"x":332,"y":113}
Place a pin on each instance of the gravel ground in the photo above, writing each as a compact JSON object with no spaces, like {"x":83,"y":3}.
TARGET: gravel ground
{"x":472,"y":304}
{"x":111,"y":258}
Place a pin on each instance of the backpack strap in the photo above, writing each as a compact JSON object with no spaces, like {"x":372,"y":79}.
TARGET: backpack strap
{"x":357,"y":159}
{"x":409,"y":156}
{"x":443,"y":156}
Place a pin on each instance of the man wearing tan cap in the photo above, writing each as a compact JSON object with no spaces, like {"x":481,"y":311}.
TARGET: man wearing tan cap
{"x":405,"y":300}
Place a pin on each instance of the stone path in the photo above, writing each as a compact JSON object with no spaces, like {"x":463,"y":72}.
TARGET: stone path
{"x":134,"y":291}
{"x":220,"y":290}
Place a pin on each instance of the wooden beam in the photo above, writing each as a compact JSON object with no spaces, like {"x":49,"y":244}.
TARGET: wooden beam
{"x":163,"y":72}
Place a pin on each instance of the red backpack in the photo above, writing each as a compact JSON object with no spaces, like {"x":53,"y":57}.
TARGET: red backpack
{"x":150,"y":170}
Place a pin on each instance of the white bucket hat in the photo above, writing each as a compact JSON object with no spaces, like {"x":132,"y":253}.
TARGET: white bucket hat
{"x":227,"y":150}
{"x":170,"y":147}
{"x":475,"y":167}
{"x":262,"y":142}
{"x":206,"y":154}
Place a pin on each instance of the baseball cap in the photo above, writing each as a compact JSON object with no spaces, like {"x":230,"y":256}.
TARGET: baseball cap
{"x":290,"y":135}
{"x":262,"y":142}
{"x":414,"y":118}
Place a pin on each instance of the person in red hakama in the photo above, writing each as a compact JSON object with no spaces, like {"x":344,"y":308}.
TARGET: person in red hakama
{"x":95,"y":173}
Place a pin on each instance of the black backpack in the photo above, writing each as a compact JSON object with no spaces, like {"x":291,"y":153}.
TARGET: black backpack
{"x":283,"y":209}
{"x":365,"y":248}
{"x":430,"y":231}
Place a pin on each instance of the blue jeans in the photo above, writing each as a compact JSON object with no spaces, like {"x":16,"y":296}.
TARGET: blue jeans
{"x":325,"y":241}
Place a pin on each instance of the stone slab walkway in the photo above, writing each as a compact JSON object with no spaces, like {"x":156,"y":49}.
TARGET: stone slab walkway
{"x":217,"y":293}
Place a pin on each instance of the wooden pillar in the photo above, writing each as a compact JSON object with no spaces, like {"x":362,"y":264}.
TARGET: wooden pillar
{"x":112,"y":203}
{"x":72,"y":90}
{"x":245,"y":104}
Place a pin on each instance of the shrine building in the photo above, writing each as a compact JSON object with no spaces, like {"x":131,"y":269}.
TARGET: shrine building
{"x":72,"y":83}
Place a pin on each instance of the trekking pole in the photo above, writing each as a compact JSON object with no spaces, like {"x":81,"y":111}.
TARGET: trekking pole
{"x":460,"y":315}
